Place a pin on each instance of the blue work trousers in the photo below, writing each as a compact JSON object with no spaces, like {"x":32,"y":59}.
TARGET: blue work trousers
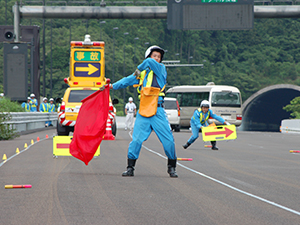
{"x":142,"y":129}
{"x":195,"y":135}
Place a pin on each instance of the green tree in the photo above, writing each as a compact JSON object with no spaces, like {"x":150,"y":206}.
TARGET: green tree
{"x":294,"y":108}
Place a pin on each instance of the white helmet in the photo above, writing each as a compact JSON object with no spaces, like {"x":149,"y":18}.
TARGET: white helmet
{"x":154,"y":48}
{"x":130,"y":99}
{"x":28,"y":98}
{"x":32,"y":95}
{"x":45,"y":99}
{"x":2,"y":94}
{"x":204,"y":103}
{"x":51,"y":99}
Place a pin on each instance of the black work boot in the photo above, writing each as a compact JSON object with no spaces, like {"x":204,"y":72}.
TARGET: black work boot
{"x":214,"y":145}
{"x":185,"y":146}
{"x":130,"y":168}
{"x":172,"y":168}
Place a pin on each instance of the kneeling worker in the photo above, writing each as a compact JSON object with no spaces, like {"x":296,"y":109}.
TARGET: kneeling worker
{"x":199,"y":119}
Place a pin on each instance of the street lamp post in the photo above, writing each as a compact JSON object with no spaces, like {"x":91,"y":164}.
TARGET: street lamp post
{"x":113,"y":78}
{"x":124,"y":100}
{"x":101,"y":22}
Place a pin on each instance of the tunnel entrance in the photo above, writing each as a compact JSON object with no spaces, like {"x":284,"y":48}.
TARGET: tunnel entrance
{"x":263,"y":110}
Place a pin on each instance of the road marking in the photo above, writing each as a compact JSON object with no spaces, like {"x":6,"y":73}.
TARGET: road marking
{"x":227,"y":185}
{"x":1,"y":164}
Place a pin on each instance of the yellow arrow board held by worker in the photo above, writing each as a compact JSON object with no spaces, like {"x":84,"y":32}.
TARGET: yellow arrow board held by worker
{"x":219,"y":133}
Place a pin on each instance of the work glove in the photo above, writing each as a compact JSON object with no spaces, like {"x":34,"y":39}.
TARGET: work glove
{"x":227,"y":123}
{"x":137,"y":73}
{"x":103,"y":87}
{"x":106,"y":85}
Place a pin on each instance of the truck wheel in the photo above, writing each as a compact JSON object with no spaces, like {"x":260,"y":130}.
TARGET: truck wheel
{"x":61,"y":130}
{"x":114,"y":129}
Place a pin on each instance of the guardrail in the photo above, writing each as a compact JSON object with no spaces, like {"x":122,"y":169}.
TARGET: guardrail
{"x":290,"y":126}
{"x":25,"y":121}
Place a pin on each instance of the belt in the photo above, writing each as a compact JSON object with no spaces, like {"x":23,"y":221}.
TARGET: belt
{"x":160,"y":105}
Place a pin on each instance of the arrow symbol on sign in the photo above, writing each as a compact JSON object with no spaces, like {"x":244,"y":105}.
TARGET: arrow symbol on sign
{"x":227,"y":132}
{"x":90,"y":69}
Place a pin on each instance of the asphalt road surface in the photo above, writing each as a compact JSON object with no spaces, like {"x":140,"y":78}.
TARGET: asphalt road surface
{"x":251,"y":180}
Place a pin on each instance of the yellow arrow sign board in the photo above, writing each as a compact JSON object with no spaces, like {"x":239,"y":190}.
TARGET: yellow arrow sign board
{"x":219,"y":133}
{"x":61,"y":146}
{"x":88,"y":68}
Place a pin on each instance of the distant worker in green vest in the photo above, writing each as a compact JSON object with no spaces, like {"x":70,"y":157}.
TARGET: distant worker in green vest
{"x":34,"y":103}
{"x":51,"y":105}
{"x":199,"y":120}
{"x":51,"y":109}
{"x":27,"y":105}
{"x":44,"y":108}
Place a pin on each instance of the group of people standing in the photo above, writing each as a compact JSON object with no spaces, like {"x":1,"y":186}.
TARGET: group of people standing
{"x":32,"y":104}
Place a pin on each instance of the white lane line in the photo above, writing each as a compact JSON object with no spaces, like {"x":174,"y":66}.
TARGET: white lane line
{"x":229,"y":186}
{"x":1,"y":164}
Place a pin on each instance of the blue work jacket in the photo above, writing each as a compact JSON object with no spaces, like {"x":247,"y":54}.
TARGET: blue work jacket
{"x":148,"y":64}
{"x":200,"y":119}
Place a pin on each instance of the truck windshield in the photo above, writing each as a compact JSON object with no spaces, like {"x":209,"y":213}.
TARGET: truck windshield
{"x":226,"y":99}
{"x":78,"y":95}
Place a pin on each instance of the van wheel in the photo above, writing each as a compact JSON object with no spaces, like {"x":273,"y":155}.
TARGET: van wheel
{"x":62,"y":130}
{"x":114,"y":129}
{"x":177,"y":128}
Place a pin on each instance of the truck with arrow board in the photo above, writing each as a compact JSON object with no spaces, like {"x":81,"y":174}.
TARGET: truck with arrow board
{"x":87,"y":75}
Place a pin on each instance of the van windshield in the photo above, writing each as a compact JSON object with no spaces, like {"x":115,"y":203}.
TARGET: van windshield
{"x":78,"y":95}
{"x":226,"y":99}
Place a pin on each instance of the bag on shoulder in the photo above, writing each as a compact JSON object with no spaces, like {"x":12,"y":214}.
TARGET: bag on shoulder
{"x":149,"y":101}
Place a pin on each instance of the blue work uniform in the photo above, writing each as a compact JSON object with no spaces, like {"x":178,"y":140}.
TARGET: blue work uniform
{"x":44,"y":107}
{"x":51,"y":107}
{"x":159,"y":123}
{"x":199,"y":120}
{"x":26,"y":106}
{"x":34,"y":104}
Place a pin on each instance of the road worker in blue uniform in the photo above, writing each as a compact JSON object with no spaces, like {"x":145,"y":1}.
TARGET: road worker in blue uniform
{"x":44,"y":108}
{"x":27,"y":105}
{"x":51,"y":109}
{"x":34,"y":103}
{"x":150,"y":80}
{"x":199,"y":120}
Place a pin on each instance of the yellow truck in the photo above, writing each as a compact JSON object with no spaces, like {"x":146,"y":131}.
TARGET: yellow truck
{"x":87,"y":75}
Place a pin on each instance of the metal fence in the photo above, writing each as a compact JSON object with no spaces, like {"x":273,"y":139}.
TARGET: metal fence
{"x":25,"y":121}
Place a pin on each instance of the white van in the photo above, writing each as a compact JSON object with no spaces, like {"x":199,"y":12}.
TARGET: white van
{"x":173,"y":112}
{"x":225,"y":101}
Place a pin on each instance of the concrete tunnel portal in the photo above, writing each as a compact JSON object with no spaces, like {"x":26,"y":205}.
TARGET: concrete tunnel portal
{"x":263,"y":111}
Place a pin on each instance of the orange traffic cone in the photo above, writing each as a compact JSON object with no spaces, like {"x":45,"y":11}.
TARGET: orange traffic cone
{"x":108,"y":133}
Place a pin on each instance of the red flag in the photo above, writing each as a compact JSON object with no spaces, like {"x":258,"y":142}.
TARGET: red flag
{"x":90,"y":126}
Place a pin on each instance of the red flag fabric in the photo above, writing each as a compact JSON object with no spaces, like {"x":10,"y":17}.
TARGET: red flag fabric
{"x":90,"y":126}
